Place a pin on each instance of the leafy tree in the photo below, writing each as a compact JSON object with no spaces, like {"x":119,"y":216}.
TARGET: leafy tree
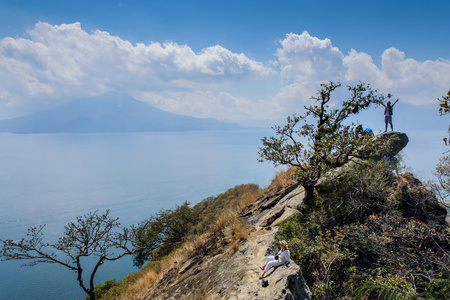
{"x":91,"y":235}
{"x":444,"y":106}
{"x":329,"y":143}
{"x":444,"y":109}
{"x":162,"y":232}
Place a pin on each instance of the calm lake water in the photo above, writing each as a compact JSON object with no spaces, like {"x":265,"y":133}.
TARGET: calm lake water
{"x":52,"y":178}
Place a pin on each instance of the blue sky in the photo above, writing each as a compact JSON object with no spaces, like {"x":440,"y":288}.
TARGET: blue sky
{"x":239,"y":60}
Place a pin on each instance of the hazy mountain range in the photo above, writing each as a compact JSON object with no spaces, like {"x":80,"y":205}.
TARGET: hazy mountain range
{"x":109,"y":113}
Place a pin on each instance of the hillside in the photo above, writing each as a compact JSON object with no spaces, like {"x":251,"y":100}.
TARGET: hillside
{"x":373,"y":234}
{"x":110,"y":113}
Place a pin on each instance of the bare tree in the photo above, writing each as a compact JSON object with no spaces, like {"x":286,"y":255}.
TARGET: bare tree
{"x":442,"y":184}
{"x":91,"y":235}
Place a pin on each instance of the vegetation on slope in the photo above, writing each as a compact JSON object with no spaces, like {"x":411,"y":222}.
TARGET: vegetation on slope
{"x":372,"y":235}
{"x":201,"y":224}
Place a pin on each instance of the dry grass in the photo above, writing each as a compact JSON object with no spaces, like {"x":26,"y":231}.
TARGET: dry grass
{"x":248,"y":199}
{"x":149,"y":277}
{"x":224,"y":219}
{"x":282,"y":179}
{"x":240,"y":230}
{"x":227,"y":221}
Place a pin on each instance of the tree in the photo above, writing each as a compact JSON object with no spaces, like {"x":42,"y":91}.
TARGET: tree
{"x":91,"y":235}
{"x":329,"y":143}
{"x":442,"y":171}
{"x":162,"y":232}
{"x":444,"y":109}
{"x":442,"y":174}
{"x":444,"y":106}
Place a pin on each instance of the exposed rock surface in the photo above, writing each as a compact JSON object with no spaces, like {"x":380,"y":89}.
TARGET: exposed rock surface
{"x":273,"y":208}
{"x":221,"y":273}
{"x":419,"y":203}
{"x":399,"y":140}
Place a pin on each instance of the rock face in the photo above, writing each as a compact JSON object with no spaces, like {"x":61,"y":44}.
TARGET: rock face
{"x":273,"y":208}
{"x":419,"y":203}
{"x":217,"y":273}
{"x":399,"y":140}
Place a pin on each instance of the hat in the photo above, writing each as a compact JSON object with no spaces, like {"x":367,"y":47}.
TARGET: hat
{"x":284,"y":243}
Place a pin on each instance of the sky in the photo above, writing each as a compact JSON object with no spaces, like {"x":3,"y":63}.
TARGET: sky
{"x":224,"y":59}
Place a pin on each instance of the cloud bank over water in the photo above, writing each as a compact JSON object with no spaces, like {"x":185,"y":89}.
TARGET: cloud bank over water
{"x":55,"y":63}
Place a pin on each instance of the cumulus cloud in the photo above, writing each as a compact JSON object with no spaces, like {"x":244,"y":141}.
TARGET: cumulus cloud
{"x":308,"y":61}
{"x":66,"y":61}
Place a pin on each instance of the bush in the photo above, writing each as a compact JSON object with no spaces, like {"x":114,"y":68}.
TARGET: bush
{"x":103,"y":288}
{"x":163,"y":232}
{"x":356,"y":191}
{"x":435,"y":290}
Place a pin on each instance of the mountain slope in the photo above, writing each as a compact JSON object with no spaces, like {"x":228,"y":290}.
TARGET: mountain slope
{"x":110,"y":113}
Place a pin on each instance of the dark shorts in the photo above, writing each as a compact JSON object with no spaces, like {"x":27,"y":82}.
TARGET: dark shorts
{"x":388,"y":119}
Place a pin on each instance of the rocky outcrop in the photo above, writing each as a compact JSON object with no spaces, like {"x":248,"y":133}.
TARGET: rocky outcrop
{"x":273,"y":208}
{"x":392,"y":143}
{"x":222,"y":270}
{"x":418,"y":203}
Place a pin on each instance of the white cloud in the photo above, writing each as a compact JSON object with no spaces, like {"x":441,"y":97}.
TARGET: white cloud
{"x":66,"y":61}
{"x":206,"y":104}
{"x":57,"y":62}
{"x":308,"y":61}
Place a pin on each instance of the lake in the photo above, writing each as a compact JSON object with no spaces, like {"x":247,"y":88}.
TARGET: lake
{"x":52,"y":178}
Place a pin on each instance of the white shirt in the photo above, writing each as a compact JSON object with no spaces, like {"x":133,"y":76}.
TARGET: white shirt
{"x":284,"y":256}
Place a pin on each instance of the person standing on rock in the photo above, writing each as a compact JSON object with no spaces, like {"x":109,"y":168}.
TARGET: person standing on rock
{"x":388,"y":112}
{"x":280,"y":259}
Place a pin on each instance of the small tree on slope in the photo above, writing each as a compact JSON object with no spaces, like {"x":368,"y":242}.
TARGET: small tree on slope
{"x":90,"y":235}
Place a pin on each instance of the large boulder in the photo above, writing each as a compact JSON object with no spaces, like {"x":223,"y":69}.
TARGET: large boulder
{"x":419,"y":203}
{"x":391,"y":144}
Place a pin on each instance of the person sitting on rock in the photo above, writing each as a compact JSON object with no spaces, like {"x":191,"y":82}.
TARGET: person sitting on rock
{"x":282,"y":258}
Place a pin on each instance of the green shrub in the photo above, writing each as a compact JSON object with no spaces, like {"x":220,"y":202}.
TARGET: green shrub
{"x":356,"y":191}
{"x":103,"y":288}
{"x":438,"y":289}
{"x":383,"y":285}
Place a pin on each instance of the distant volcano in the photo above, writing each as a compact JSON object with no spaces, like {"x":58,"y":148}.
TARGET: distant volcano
{"x":109,"y":113}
